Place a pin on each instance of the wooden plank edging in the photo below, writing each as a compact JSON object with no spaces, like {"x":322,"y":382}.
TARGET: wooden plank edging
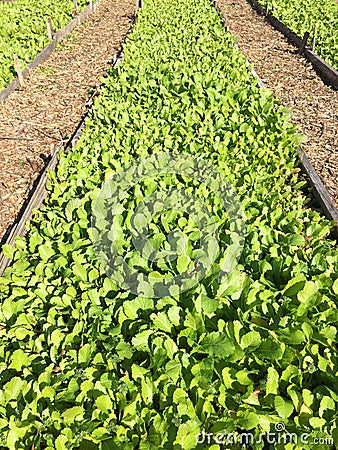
{"x":36,"y":201}
{"x":319,"y":191}
{"x":326,"y":72}
{"x":47,"y":51}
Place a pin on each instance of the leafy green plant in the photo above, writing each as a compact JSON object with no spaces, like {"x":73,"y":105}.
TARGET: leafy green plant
{"x":86,"y":364}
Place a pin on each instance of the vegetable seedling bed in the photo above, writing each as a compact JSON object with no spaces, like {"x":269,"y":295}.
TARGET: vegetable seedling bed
{"x":294,"y":82}
{"x":318,"y":189}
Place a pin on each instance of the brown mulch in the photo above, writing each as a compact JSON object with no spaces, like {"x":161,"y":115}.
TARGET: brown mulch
{"x":314,"y":106}
{"x":40,"y":117}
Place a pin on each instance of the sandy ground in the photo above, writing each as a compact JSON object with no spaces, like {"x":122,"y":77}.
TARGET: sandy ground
{"x":40,"y":117}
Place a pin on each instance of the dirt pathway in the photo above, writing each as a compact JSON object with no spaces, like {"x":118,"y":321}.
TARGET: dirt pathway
{"x":314,"y":106}
{"x":44,"y":114}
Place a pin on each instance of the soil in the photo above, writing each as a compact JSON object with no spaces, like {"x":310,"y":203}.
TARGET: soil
{"x":314,"y":105}
{"x":42,"y":115}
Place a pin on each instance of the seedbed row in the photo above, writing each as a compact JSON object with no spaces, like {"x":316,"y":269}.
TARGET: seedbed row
{"x":293,"y":81}
{"x":40,"y":117}
{"x":319,"y":192}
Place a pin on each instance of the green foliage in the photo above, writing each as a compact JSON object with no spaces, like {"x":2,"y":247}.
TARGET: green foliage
{"x":23,"y":30}
{"x":86,"y":364}
{"x":301,"y":16}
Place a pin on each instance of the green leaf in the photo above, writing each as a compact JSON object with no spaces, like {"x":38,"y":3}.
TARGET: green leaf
{"x":295,"y":240}
{"x":8,"y":250}
{"x":232,"y":285}
{"x":308,"y":397}
{"x":73,"y":414}
{"x":283,"y":407}
{"x":140,"y":340}
{"x":100,"y":434}
{"x":124,"y":350}
{"x":80,"y":271}
{"x":45,"y":252}
{"x":48,"y":392}
{"x":13,"y":437}
{"x":147,"y":390}
{"x":186,"y":435}
{"x":317,"y":422}
{"x":247,"y":420}
{"x":309,"y":290}
{"x":216,"y":344}
{"x":335,"y":286}
{"x":19,"y":359}
{"x":307,"y":330}
{"x":161,"y":321}
{"x":294,"y":337}
{"x":295,"y":285}
{"x":206,"y":304}
{"x":13,"y":388}
{"x":269,"y":349}
{"x":85,"y":353}
{"x":326,"y":403}
{"x":174,"y":315}
{"x":272,"y":381}
{"x":173,"y":369}
{"x":243,"y":377}
{"x":251,"y":340}
{"x":104,"y":403}
{"x":183,"y":263}
{"x":130,"y":309}
{"x":139,"y":221}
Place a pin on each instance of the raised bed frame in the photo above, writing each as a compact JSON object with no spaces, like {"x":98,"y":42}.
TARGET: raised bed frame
{"x":47,"y":51}
{"x":327,"y":73}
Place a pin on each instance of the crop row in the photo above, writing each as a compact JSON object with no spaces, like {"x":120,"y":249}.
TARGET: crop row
{"x":23,"y":30}
{"x":86,"y":362}
{"x":302,"y":16}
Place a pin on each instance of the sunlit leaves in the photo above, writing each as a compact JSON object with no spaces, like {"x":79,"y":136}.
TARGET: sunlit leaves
{"x":85,"y":363}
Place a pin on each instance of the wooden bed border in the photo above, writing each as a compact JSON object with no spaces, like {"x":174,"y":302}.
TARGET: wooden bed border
{"x":47,"y":51}
{"x":327,"y":73}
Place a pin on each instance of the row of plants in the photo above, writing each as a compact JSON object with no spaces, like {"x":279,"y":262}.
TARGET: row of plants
{"x":301,"y":16}
{"x":23,"y":30}
{"x":85,"y":363}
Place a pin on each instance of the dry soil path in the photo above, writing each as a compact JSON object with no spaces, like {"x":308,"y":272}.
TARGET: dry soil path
{"x":43,"y":115}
